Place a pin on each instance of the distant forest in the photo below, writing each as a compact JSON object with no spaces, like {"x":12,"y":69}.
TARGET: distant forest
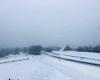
{"x":36,"y":50}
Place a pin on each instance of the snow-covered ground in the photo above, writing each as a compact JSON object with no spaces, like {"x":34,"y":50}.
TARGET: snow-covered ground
{"x":14,"y":58}
{"x":79,"y":56}
{"x":44,"y":67}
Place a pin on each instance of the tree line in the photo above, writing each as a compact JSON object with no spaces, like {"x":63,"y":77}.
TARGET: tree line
{"x":33,"y":50}
{"x":95,"y":49}
{"x":36,"y":49}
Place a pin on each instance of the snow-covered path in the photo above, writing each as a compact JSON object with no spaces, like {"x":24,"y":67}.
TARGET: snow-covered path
{"x":47,"y":68}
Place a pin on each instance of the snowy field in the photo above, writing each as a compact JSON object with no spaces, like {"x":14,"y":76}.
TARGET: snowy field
{"x":80,"y":54}
{"x":44,"y":67}
{"x":88,"y":57}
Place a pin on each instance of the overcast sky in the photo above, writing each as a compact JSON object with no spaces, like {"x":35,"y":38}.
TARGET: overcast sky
{"x":49,"y":22}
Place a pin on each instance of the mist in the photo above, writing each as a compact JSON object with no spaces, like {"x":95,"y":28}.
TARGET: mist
{"x":49,"y":23}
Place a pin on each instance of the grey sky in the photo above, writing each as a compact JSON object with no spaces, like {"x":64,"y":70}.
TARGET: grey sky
{"x":49,"y":22}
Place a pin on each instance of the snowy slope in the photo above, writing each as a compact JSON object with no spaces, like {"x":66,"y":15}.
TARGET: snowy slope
{"x":14,"y":58}
{"x":79,"y":56}
{"x":83,"y":54}
{"x":44,"y":67}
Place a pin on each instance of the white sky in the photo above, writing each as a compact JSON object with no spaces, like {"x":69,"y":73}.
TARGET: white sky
{"x":49,"y":22}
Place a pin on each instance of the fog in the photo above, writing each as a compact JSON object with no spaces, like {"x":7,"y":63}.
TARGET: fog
{"x":49,"y":22}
